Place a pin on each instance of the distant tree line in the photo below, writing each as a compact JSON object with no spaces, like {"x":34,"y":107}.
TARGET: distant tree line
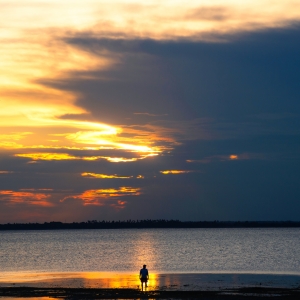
{"x":148,"y":224}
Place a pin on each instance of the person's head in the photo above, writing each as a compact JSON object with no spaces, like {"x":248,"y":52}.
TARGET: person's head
{"x":144,"y":266}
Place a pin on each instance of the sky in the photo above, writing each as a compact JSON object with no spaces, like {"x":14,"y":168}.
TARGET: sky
{"x":125,"y":109}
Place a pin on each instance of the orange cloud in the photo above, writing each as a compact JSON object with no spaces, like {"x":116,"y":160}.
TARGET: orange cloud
{"x":31,"y":197}
{"x":103,"y":197}
{"x":119,"y":205}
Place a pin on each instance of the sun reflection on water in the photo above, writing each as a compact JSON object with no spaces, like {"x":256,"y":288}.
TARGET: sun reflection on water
{"x":77,"y":279}
{"x":111,"y":280}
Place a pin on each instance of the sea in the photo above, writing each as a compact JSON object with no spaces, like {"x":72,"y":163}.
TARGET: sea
{"x":166,"y":252}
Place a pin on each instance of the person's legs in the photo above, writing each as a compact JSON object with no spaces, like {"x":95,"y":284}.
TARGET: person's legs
{"x":143,"y":281}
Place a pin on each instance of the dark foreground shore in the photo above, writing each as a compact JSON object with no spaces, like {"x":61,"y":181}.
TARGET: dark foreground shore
{"x":123,"y":293}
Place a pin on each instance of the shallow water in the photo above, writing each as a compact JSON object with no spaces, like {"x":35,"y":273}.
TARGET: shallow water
{"x":178,"y":281}
{"x":273,"y":251}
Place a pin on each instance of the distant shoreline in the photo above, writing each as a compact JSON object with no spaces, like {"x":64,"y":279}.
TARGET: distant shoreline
{"x":151,"y":224}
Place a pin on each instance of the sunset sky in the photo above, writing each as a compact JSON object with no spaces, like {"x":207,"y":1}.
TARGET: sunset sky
{"x":116,"y":110}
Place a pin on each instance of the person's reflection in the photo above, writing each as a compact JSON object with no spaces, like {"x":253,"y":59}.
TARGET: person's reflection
{"x":144,"y":276}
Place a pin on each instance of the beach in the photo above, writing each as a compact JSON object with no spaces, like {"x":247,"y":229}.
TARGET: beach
{"x":73,"y":293}
{"x":95,"y":285}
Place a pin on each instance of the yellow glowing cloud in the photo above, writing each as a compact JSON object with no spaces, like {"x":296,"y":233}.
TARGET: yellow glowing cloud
{"x":109,"y":138}
{"x":120,"y":159}
{"x":35,"y":197}
{"x":47,"y":156}
{"x":12,"y":140}
{"x":101,"y":196}
{"x":104,"y":176}
{"x":101,"y":136}
{"x":166,"y":172}
{"x":65,"y":156}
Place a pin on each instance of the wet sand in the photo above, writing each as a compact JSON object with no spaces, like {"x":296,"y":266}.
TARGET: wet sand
{"x":95,"y":285}
{"x":73,"y":293}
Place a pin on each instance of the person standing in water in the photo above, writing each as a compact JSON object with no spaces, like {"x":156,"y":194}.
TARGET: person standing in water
{"x":144,"y":276}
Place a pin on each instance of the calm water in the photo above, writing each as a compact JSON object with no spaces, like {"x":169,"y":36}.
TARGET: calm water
{"x":163,"y":250}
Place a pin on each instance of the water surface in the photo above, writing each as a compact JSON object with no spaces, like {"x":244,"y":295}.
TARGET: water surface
{"x":185,"y":259}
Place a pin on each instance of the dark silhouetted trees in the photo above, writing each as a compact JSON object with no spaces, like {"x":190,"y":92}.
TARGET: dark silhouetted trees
{"x":94,"y":224}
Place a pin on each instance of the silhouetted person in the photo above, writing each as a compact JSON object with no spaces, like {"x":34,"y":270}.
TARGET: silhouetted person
{"x":144,"y":276}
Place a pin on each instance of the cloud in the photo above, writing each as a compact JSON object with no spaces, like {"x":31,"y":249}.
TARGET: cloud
{"x":167,"y":172}
{"x":105,"y":196}
{"x":65,"y":156}
{"x":104,"y":176}
{"x":205,"y":90}
{"x":240,"y":156}
{"x":211,"y":13}
{"x":32,"y":197}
